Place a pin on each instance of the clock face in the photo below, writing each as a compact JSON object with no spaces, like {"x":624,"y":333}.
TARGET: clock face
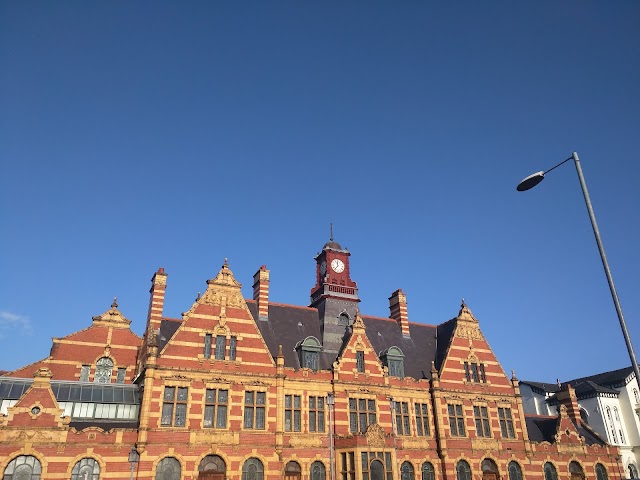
{"x":323,"y":268}
{"x":337,"y":265}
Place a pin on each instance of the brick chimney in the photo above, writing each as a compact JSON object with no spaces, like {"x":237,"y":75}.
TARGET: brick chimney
{"x":261,"y":291}
{"x":398,"y":309}
{"x":567,"y":397}
{"x":156,"y":302}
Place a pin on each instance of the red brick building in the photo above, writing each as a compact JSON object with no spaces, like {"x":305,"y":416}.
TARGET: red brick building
{"x":250,"y":389}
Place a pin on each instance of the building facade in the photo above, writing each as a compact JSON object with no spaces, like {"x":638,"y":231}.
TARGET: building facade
{"x":609,"y":402}
{"x":254,"y":390}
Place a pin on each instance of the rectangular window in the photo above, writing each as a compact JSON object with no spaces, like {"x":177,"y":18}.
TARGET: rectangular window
{"x":481,"y":417}
{"x":207,"y":345}
{"x":347,"y":466}
{"x":360,"y":361}
{"x":396,"y":368}
{"x":362,"y":413}
{"x":232,"y":348}
{"x":84,"y":373}
{"x":215,"y":408}
{"x":292,"y":413}
{"x":422,"y":419}
{"x":122,"y":372}
{"x":467,"y":372}
{"x":474,"y":372}
{"x":174,"y":407}
{"x":402,"y":418}
{"x":254,"y":409}
{"x":316,"y":414}
{"x":506,"y":422}
{"x":310,"y":360}
{"x":456,"y":420}
{"x":221,"y":343}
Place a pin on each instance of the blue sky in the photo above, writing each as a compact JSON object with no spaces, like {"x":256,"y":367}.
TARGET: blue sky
{"x":138,"y":135}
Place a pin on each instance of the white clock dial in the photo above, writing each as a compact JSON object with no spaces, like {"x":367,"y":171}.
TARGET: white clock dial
{"x":337,"y":265}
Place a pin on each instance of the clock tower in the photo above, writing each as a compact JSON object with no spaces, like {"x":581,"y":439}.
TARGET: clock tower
{"x":335,"y":295}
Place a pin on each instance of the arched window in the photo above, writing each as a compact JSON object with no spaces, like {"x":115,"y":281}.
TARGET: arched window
{"x":24,"y":467}
{"x":86,"y":469}
{"x":612,"y":427}
{"x":407,"y":471}
{"x":252,"y":470}
{"x":393,"y":359}
{"x":463,"y":470}
{"x":428,"y":473}
{"x":104,"y":366}
{"x":344,"y":319}
{"x":584,"y":416}
{"x":292,"y":471}
{"x":212,"y":463}
{"x":575,"y":471}
{"x":168,"y":469}
{"x":489,"y":469}
{"x":550,"y":472}
{"x":318,"y":472}
{"x":601,"y":472}
{"x":515,"y":472}
{"x":633,"y":471}
{"x":309,"y":353}
{"x":635,"y":395}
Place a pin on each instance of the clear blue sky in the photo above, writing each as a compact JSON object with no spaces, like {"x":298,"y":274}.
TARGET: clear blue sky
{"x":138,"y":135}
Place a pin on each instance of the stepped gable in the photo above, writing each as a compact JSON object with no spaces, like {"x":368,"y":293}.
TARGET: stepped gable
{"x":419,"y":349}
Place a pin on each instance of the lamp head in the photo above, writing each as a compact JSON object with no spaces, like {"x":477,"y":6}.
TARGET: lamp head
{"x":530,"y":182}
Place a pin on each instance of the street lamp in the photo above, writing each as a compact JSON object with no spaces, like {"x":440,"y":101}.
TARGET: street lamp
{"x":533,"y":180}
{"x":331,"y":401}
{"x":134,"y":458}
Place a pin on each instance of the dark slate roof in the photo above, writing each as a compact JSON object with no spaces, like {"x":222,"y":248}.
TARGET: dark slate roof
{"x":168,"y":327}
{"x":444,"y":333}
{"x":288,"y":325}
{"x":543,"y":387}
{"x":542,"y":428}
{"x":614,"y":378}
{"x":590,"y":387}
{"x":419,"y":349}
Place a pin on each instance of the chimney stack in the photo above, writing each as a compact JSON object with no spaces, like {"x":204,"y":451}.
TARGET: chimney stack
{"x":261,"y":292}
{"x":398,"y":309}
{"x":156,"y":302}
{"x":567,"y":397}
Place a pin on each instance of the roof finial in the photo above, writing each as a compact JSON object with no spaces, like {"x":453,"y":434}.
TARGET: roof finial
{"x":463,"y":304}
{"x":331,"y":232}
{"x":226,"y":262}
{"x":115,"y":303}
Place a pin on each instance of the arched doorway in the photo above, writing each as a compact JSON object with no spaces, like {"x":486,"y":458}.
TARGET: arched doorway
{"x":212,"y":467}
{"x":292,"y":471}
{"x":489,"y":469}
{"x":377,"y":470}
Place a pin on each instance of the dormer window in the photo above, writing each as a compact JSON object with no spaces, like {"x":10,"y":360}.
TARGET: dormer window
{"x":309,"y":353}
{"x":344,"y":319}
{"x":393,"y":359}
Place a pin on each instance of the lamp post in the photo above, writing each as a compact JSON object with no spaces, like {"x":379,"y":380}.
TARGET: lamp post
{"x":533,"y":180}
{"x":331,"y":401}
{"x":134,"y":458}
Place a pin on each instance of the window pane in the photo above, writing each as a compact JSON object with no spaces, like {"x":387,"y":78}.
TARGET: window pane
{"x":181,"y":415}
{"x":208,"y":416}
{"x":232,"y":348}
{"x":182,"y":393}
{"x":221,"y":421}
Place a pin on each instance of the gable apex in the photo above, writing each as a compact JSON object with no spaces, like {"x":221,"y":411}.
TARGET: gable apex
{"x":225,"y":277}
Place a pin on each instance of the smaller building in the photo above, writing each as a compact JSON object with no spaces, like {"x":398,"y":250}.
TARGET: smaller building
{"x":608,"y":402}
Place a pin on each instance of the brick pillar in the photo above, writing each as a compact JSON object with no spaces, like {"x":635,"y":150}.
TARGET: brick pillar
{"x":567,"y":397}
{"x":156,"y":301}
{"x":261,"y":291}
{"x":398,"y":308}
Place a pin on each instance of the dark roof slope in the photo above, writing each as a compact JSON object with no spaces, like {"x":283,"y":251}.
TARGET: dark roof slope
{"x":444,"y":333}
{"x":288,"y":325}
{"x":614,"y":378}
{"x":542,"y":428}
{"x":168,"y":326}
{"x":419,"y":349}
{"x":542,"y":387}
